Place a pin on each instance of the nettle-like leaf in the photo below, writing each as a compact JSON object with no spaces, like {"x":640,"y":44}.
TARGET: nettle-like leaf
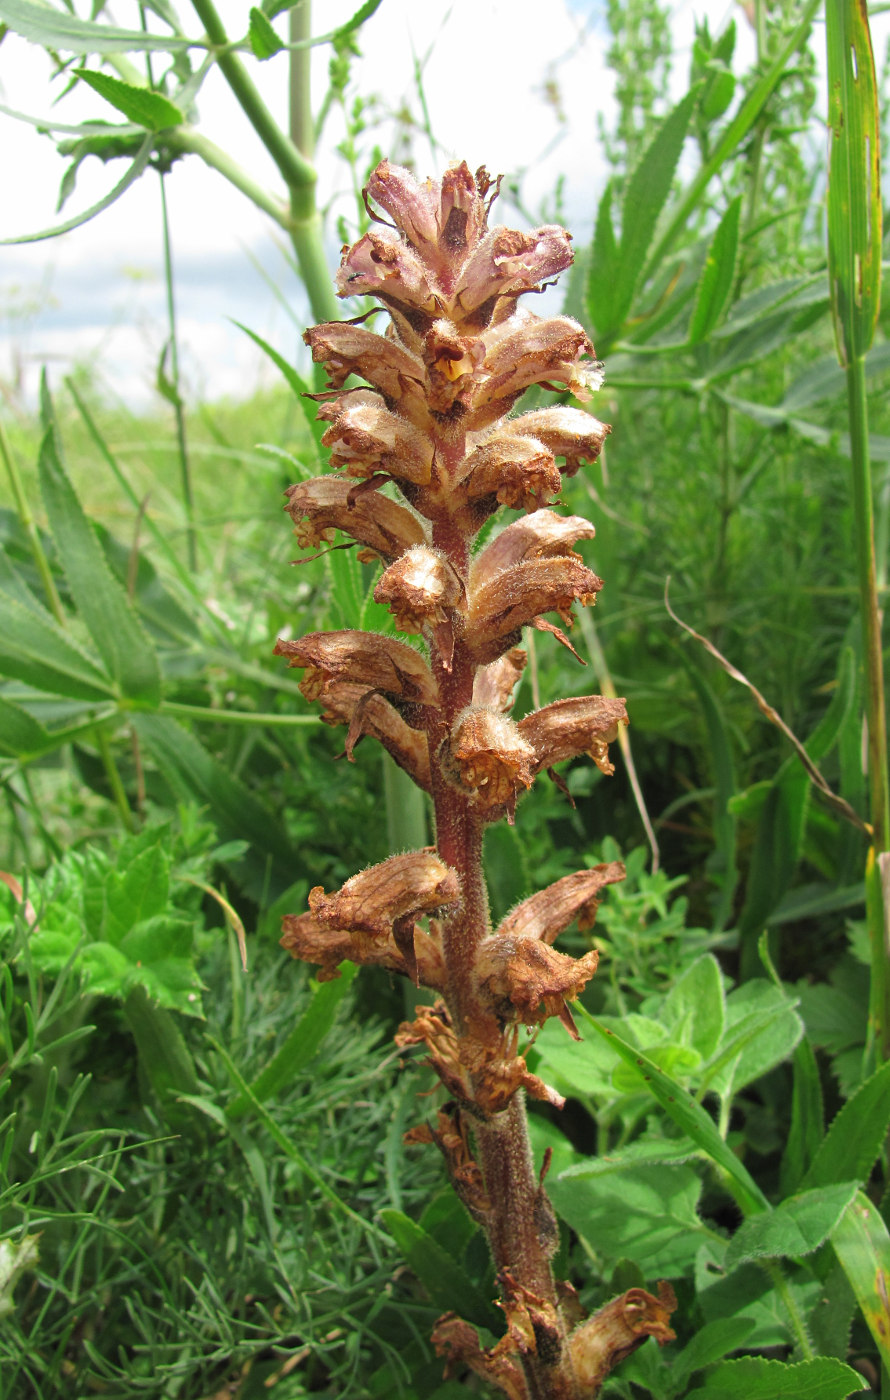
{"x":120,"y":924}
{"x":753,"y":1378}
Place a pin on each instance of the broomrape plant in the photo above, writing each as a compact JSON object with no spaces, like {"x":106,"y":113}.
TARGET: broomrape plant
{"x":458,"y":353}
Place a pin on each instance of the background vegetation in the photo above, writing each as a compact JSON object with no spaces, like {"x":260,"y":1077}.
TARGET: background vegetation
{"x":204,"y":1189}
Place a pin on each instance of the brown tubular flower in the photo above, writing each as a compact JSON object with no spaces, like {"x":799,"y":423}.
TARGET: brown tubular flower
{"x":424,"y":410}
{"x":326,"y":504}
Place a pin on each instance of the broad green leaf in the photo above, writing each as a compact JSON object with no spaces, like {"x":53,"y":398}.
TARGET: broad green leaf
{"x":645,"y":197}
{"x":710,"y":1344}
{"x":449,"y":1222}
{"x":140,"y":161}
{"x":160,"y":956}
{"x":105,"y":970}
{"x":149,"y":109}
{"x":651,"y":1152}
{"x":117,"y":633}
{"x":807,"y":1119}
{"x":34,"y":649}
{"x":717,"y":276}
{"x":694,"y":1010}
{"x":854,"y":185}
{"x":263,"y":39}
{"x":445,"y":1281}
{"x":58,"y":29}
{"x":136,"y":892}
{"x":21,"y":735}
{"x":753,"y":1378}
{"x":648,"y":1214}
{"x":854,"y":1140}
{"x":762,"y":1029}
{"x":689,"y":1117}
{"x":862,"y":1245}
{"x":795,"y":1228}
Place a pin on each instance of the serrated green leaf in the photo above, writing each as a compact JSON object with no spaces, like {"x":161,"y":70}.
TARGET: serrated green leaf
{"x":603,"y":269}
{"x":21,"y":735}
{"x":58,"y":29}
{"x":753,"y":1378}
{"x":862,"y":1245}
{"x":445,"y":1281}
{"x":717,"y":276}
{"x":688,"y":1115}
{"x":149,"y":109}
{"x":137,"y":891}
{"x":263,"y":39}
{"x":763,"y":1028}
{"x":854,"y":184}
{"x":645,"y":197}
{"x":34,"y":649}
{"x":854,"y":1140}
{"x":794,"y":1229}
{"x":117,"y":633}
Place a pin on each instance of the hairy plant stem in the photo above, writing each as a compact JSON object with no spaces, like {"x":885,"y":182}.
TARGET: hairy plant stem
{"x":515,"y":1235}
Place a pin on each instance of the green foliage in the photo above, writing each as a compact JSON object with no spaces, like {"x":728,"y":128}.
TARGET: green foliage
{"x":203,"y":1182}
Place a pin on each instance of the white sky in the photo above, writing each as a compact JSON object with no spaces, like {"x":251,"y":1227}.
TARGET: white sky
{"x":97,"y":293}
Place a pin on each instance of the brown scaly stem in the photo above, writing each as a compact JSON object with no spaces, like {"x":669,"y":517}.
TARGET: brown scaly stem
{"x":435,"y":422}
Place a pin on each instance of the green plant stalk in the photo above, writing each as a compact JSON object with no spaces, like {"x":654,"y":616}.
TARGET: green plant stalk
{"x":114,"y":778}
{"x":188,"y":497}
{"x":297,"y":172}
{"x":244,"y":717}
{"x":798,"y":1323}
{"x":28,"y":525}
{"x":879,"y":790}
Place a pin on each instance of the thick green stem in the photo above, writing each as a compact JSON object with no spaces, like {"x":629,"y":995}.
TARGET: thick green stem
{"x":296,"y":170}
{"x":879,"y":793}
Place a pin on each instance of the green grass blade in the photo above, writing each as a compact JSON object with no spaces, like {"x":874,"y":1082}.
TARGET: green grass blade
{"x":854,"y":1140}
{"x":854,"y":189}
{"x":862,"y":1245}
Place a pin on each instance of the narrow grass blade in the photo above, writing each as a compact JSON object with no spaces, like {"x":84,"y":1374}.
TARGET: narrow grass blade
{"x":854,"y":188}
{"x":862,"y":1245}
{"x":689,"y":1116}
{"x":717,"y":276}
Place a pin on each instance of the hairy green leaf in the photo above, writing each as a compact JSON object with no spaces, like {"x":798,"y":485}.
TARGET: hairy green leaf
{"x":117,"y":633}
{"x":753,"y":1378}
{"x":444,"y":1279}
{"x":795,"y":1228}
{"x":261,"y":36}
{"x":854,"y":1140}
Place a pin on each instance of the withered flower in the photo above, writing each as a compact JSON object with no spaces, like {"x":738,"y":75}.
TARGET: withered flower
{"x":427,"y":416}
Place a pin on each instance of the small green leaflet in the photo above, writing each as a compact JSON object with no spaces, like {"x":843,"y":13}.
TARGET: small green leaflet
{"x":138,"y":104}
{"x":263,"y":39}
